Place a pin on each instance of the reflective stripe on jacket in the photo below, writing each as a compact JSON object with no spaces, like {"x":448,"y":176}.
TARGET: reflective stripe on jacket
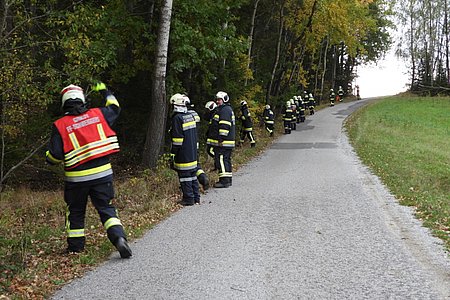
{"x":86,"y":137}
{"x":184,"y":141}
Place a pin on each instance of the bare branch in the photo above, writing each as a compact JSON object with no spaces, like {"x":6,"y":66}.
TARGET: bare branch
{"x":44,"y":142}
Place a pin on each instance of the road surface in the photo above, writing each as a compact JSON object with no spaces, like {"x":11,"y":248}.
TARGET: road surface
{"x":305,"y":220}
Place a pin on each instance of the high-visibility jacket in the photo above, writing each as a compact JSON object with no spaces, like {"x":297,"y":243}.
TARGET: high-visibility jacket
{"x":83,"y":142}
{"x":184,"y":141}
{"x":247,"y":123}
{"x":212,"y":128}
{"x":268,"y":116}
{"x":224,"y":126}
{"x":287,"y":114}
{"x":197,"y":124}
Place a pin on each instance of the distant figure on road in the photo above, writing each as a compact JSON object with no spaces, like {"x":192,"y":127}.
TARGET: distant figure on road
{"x":332,"y":97}
{"x":312,"y":104}
{"x":83,"y":140}
{"x":287,"y":117}
{"x":341,"y":94}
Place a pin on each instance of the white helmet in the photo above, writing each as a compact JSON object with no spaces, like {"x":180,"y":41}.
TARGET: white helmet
{"x":243,"y":103}
{"x":72,"y":92}
{"x":211,"y":105}
{"x":179,"y":100}
{"x":310,"y":95}
{"x":223,"y":96}
{"x":288,"y":103}
{"x":267,"y":106}
{"x":295,"y":98}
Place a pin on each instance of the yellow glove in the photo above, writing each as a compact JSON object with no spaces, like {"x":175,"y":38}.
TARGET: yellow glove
{"x":99,"y":86}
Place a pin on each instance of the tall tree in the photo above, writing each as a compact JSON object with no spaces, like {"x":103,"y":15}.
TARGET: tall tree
{"x":157,"y":119}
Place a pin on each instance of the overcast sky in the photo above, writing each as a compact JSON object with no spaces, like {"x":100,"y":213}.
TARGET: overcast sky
{"x":388,"y":77}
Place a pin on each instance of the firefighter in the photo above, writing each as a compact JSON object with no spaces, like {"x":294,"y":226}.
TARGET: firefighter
{"x":246,"y":125}
{"x":297,"y":110}
{"x":224,"y":132}
{"x":184,"y":149}
{"x":305,"y":98}
{"x":287,"y":117}
{"x":83,"y":141}
{"x":269,"y":119}
{"x":201,"y":175}
{"x":302,"y":107}
{"x":332,"y":97}
{"x":312,"y":103}
{"x":341,"y":94}
{"x":211,"y":107}
{"x":294,"y":114}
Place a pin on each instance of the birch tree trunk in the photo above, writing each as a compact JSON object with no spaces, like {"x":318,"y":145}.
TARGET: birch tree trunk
{"x":157,"y":120}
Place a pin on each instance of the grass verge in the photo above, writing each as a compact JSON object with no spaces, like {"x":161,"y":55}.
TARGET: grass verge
{"x":406,"y":142}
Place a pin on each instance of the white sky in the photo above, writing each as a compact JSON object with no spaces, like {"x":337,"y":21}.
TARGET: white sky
{"x":388,"y":77}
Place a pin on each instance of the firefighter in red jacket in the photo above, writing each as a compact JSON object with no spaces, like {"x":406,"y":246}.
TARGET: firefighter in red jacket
{"x":184,"y":149}
{"x":83,"y":141}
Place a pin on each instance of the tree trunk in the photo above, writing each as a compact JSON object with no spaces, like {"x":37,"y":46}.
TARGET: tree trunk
{"x":250,"y":36}
{"x":324,"y":67}
{"x":157,"y":120}
{"x":411,"y":44}
{"x":277,"y":54}
{"x":447,"y":38}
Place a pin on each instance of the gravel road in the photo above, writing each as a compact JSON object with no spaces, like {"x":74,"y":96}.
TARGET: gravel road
{"x":305,"y":220}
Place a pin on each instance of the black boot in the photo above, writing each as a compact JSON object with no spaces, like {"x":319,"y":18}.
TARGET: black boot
{"x":223,"y":183}
{"x":123,"y":248}
{"x":252,"y":145}
{"x":203,"y":180}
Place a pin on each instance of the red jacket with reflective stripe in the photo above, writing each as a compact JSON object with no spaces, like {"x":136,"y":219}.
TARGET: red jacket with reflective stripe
{"x":86,"y":137}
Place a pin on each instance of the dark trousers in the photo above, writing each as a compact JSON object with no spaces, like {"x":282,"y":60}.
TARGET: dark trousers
{"x":222,"y":161}
{"x":249,"y":135}
{"x":76,"y":197}
{"x":189,"y":185}
{"x":269,"y":128}
{"x":210,"y":150}
{"x":287,"y":126}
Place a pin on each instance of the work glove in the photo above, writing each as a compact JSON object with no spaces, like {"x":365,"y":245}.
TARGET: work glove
{"x":99,"y":86}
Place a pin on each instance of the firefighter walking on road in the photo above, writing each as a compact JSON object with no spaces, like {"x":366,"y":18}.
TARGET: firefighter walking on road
{"x":332,"y":97}
{"x":246,"y":125}
{"x":341,"y":94}
{"x":183,"y":134}
{"x":83,"y":141}
{"x":224,"y":131}
{"x":287,"y":117}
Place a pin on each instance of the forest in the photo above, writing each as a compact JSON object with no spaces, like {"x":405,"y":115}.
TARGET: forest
{"x":261,"y":51}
